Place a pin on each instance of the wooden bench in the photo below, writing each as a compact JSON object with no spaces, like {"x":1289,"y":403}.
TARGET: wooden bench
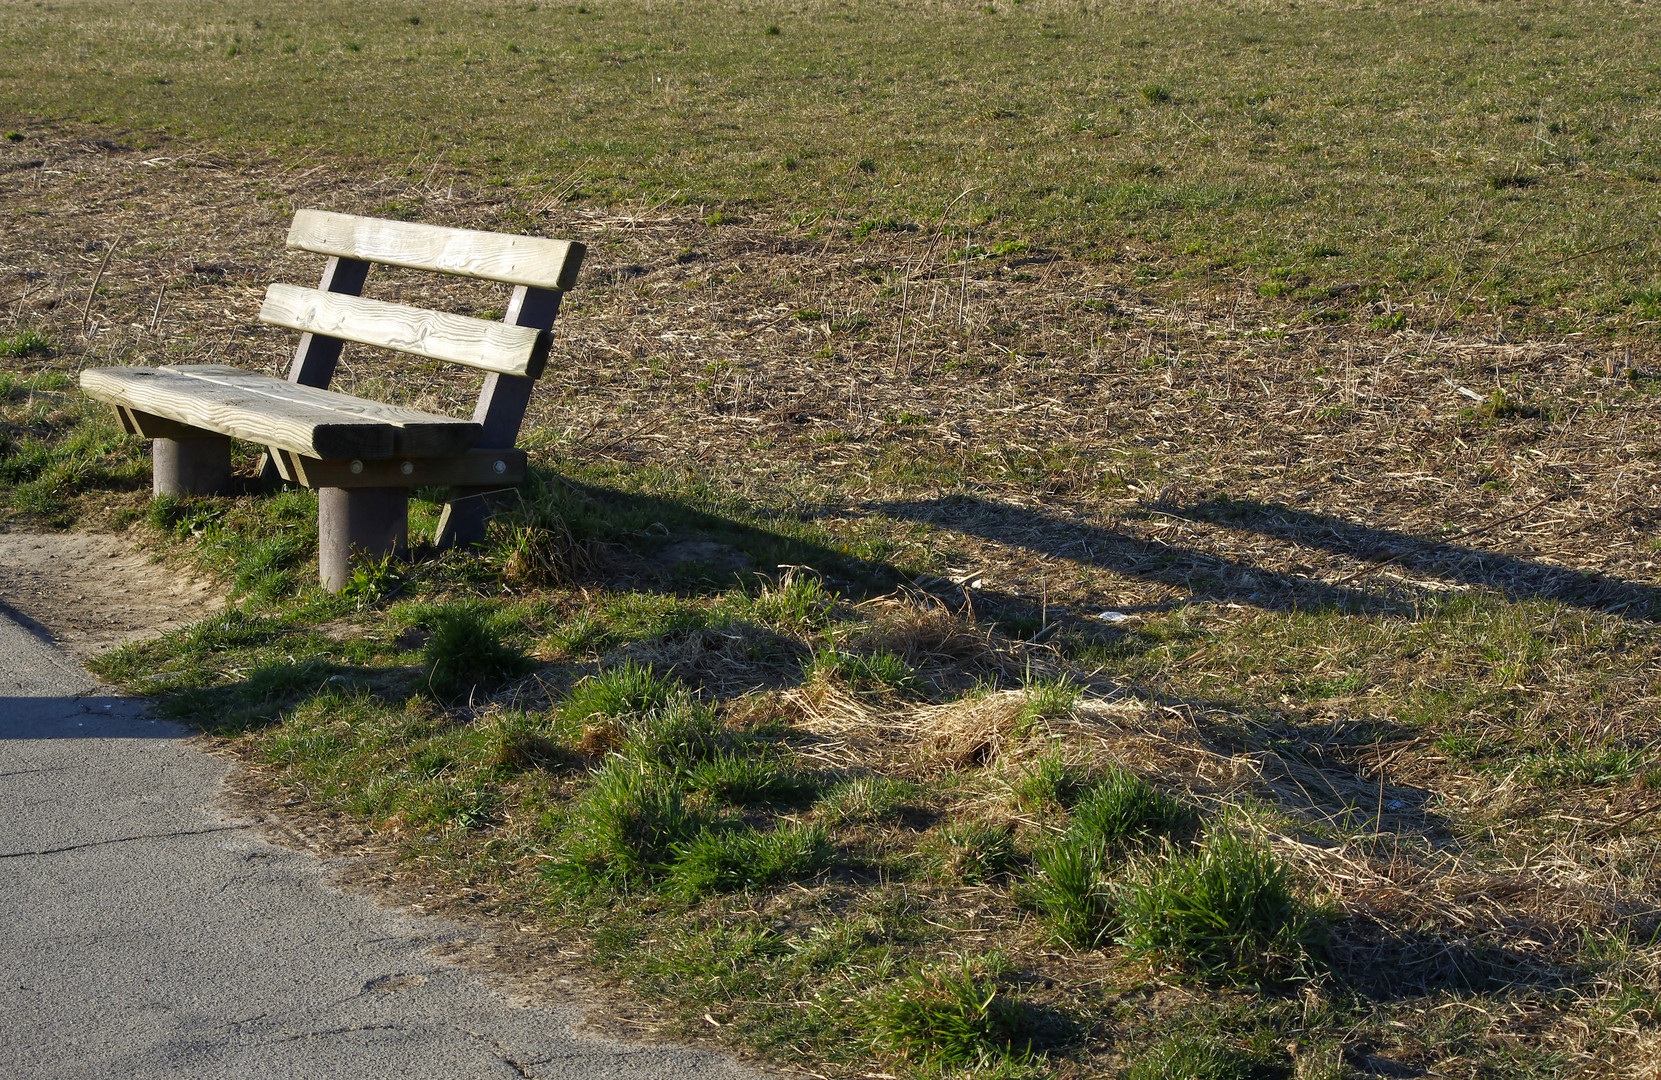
{"x":362,"y":456}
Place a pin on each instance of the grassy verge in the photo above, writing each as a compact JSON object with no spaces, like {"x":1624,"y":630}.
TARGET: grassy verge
{"x":836,"y":829}
{"x":868,"y":830}
{"x":53,"y":445}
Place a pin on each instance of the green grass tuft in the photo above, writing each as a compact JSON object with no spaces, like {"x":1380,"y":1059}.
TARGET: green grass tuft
{"x":372,"y":581}
{"x":626,"y":689}
{"x":1583,"y":766}
{"x":1047,"y":699}
{"x":954,"y":1018}
{"x":27,"y":343}
{"x":972,"y":852}
{"x":1195,"y":1057}
{"x":1051,"y":782}
{"x":1227,"y":910}
{"x":728,"y":860}
{"x":525,"y":741}
{"x":796,"y":602}
{"x":468,"y":654}
{"x":678,"y":737}
{"x":1072,"y":891}
{"x":879,"y":672}
{"x":865,"y":800}
{"x":750,"y":779}
{"x":1121,"y":807}
{"x":624,"y":831}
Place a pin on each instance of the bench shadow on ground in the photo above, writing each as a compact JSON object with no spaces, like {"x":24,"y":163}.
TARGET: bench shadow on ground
{"x":1302,"y":768}
{"x":665,"y":543}
{"x":1513,"y":577}
{"x":1213,"y":578}
{"x":1382,"y":950}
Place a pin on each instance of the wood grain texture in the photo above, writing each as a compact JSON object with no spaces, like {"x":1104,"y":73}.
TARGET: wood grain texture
{"x":477,"y":467}
{"x":418,"y":434}
{"x":257,"y":418}
{"x":456,"y":339}
{"x":277,"y":413}
{"x":519,"y":260}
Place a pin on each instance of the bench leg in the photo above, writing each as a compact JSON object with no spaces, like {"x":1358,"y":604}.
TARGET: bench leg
{"x":191,"y":466}
{"x":371,"y":522}
{"x":466,"y":514}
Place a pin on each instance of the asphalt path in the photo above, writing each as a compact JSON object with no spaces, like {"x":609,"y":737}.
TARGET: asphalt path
{"x":145,"y":933}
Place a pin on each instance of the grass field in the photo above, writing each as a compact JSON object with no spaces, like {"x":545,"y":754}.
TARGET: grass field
{"x":1065,"y":541}
{"x":1468,"y":161}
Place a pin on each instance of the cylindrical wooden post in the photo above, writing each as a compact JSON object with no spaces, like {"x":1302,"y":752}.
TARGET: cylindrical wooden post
{"x":191,"y":466}
{"x":361,"y":522}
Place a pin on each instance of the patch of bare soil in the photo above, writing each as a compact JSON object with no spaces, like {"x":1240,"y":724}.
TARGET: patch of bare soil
{"x":93,"y":592}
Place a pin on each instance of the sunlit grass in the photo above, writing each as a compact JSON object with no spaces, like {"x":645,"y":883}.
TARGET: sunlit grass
{"x":1326,"y":154}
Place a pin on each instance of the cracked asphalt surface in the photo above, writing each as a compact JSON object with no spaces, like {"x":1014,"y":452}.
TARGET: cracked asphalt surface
{"x":143,"y":934}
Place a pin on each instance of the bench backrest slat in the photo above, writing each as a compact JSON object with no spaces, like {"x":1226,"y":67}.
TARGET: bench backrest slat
{"x":436,"y":335}
{"x":519,"y":260}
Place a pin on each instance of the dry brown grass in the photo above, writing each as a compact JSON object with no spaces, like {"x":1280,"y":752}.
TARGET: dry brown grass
{"x":1098,"y":442}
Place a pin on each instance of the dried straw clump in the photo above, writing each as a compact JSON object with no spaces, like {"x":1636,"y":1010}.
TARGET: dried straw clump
{"x":754,"y":709}
{"x":984,"y":730}
{"x":722,"y":661}
{"x":848,"y":731}
{"x":939,"y":642}
{"x":1647,"y":1054}
{"x":1158,"y":741}
{"x":540,"y":552}
{"x":973,"y":731}
{"x":854,"y":731}
{"x":601,"y":738}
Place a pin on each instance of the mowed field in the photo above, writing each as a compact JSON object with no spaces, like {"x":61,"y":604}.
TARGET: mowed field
{"x":1066,"y":540}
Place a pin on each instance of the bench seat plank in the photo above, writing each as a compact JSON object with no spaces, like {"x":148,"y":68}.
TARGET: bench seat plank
{"x":420,"y":433}
{"x":262,"y":409}
{"x":520,"y":260}
{"x":436,"y":335}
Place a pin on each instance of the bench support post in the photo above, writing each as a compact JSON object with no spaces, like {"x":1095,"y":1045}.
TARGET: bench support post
{"x":464,"y":518}
{"x":315,"y":357}
{"x":500,"y":411}
{"x":196,"y":466}
{"x":363,"y":522}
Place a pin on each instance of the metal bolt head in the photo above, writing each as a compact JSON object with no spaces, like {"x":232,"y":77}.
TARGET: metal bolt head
{"x":356,"y":467}
{"x":407,"y":468}
{"x":500,"y":467}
